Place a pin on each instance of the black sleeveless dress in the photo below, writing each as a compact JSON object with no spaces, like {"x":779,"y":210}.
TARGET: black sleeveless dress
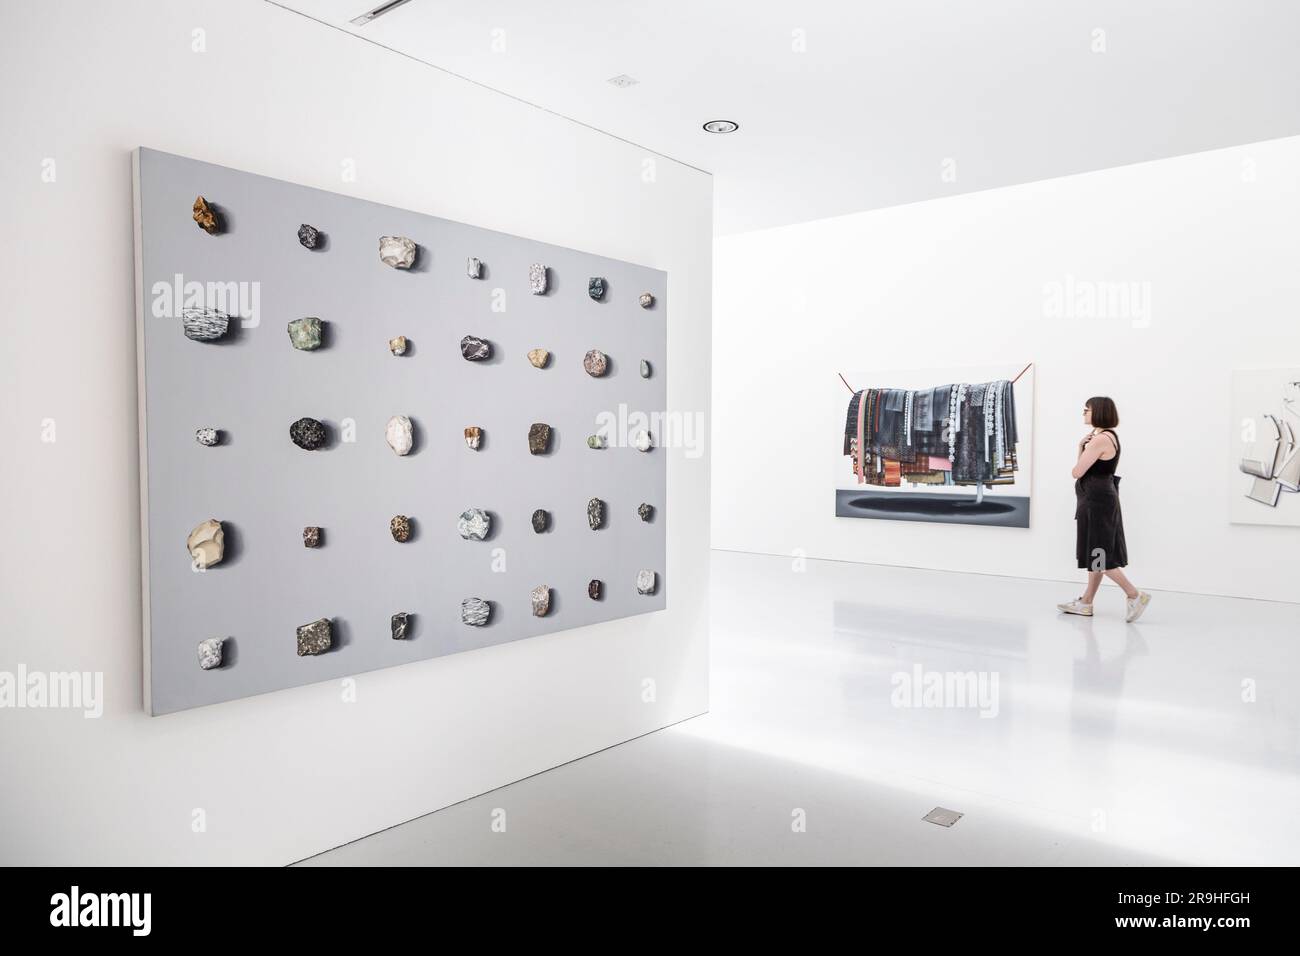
{"x":1099,"y":525}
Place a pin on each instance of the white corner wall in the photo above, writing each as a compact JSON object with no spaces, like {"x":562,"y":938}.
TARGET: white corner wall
{"x":961,"y":281}
{"x":285,"y":775}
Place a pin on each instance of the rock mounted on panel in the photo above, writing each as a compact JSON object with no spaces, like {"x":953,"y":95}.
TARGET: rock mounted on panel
{"x":475,"y":349}
{"x":315,"y":638}
{"x":207,"y":437}
{"x":645,"y":511}
{"x":309,"y":236}
{"x":596,"y":288}
{"x":596,"y":363}
{"x":399,"y":435}
{"x":307,"y":433}
{"x":474,"y":524}
{"x":206,"y":544}
{"x":642,"y":441}
{"x":474,"y":437}
{"x":210,"y":653}
{"x":398,"y":345}
{"x":539,"y":357}
{"x":396,"y":251}
{"x":539,"y":438}
{"x":540,"y":597}
{"x":398,"y":624}
{"x":311,"y":537}
{"x":541,"y":520}
{"x":475,"y":612}
{"x":596,"y":441}
{"x":305,"y":334}
{"x":204,"y":325}
{"x":645,"y":582}
{"x":646,"y":300}
{"x":400,"y":528}
{"x":474,"y":267}
{"x":206,"y":217}
{"x":537,"y":279}
{"x":645,"y":369}
{"x":595,"y":513}
{"x":594,"y":588}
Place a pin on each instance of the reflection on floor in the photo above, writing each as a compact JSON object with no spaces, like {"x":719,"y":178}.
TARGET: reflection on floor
{"x":848,"y":701}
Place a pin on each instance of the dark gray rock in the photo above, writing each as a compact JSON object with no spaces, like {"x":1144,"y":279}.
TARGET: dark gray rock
{"x":308,"y":236}
{"x":539,"y":438}
{"x":541,"y":520}
{"x":307,"y":433}
{"x":596,"y":288}
{"x":475,"y":349}
{"x":645,"y":511}
{"x":316,"y":637}
{"x":398,"y":625}
{"x":311,"y":537}
{"x":475,"y":612}
{"x":594,"y":589}
{"x":595,"y":513}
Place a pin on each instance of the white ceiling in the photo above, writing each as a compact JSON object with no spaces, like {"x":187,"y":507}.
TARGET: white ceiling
{"x":882,"y":94}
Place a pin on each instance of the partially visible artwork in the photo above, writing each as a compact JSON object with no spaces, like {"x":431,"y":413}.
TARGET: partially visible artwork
{"x":1264,"y":478}
{"x":937,"y":445}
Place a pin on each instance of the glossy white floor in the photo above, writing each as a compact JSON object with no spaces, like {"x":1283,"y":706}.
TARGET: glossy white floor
{"x":1175,"y":740}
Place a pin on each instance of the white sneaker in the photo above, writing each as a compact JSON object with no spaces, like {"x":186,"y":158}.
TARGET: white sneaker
{"x":1076,"y":607}
{"x":1134,"y":607}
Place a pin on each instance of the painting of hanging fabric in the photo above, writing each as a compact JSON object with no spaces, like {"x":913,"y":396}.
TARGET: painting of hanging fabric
{"x":938,"y":445}
{"x":1264,"y":456}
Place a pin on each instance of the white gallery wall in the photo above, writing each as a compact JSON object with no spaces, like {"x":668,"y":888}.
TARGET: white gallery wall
{"x":274,"y":778}
{"x":1206,"y":245}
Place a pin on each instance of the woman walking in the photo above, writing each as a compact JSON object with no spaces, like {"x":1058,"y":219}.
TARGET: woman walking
{"x":1100,"y":547}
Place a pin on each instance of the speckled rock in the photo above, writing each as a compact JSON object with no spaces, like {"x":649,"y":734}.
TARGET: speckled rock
{"x":645,"y":582}
{"x":595,"y":513}
{"x":541,"y":520}
{"x":646,"y":300}
{"x":309,"y":236}
{"x":206,"y":544}
{"x":207,"y":437}
{"x":307,"y":433}
{"x":596,"y":363}
{"x":596,"y":288}
{"x":645,"y":511}
{"x":539,"y":438}
{"x":396,"y":251}
{"x":210,"y":653}
{"x":398,"y":625}
{"x":305,"y":334}
{"x":311,"y":537}
{"x":540,"y":597}
{"x":537,"y":279}
{"x":475,"y":612}
{"x":400,"y":528}
{"x":475,"y":349}
{"x":204,"y":325}
{"x":316,"y":637}
{"x":539,"y":357}
{"x":474,"y":524}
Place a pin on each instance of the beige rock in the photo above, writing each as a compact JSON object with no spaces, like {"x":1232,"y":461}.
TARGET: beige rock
{"x":539,"y":357}
{"x":207,"y":544}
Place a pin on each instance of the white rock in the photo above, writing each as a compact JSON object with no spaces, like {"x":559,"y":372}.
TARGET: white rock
{"x":396,"y":251}
{"x":474,"y":523}
{"x":398,"y":433}
{"x":210,"y":653}
{"x":207,"y":544}
{"x":642,"y":441}
{"x":645,"y":582}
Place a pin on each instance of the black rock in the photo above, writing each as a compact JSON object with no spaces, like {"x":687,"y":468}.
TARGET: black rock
{"x":594,"y":587}
{"x":645,"y":511}
{"x":541,"y":520}
{"x":475,"y":349}
{"x":307,"y":433}
{"x":399,"y":622}
{"x":308,"y":236}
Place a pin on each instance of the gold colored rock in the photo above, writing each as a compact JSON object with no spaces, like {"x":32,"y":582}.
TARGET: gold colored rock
{"x":205,"y":216}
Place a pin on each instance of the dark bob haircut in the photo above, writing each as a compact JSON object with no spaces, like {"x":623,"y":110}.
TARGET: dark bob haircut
{"x":1104,"y":412}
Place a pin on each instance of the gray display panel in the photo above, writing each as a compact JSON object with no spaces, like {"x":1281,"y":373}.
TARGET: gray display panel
{"x":253,"y":384}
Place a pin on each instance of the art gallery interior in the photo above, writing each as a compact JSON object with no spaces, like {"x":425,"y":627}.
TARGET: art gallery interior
{"x":596,"y":434}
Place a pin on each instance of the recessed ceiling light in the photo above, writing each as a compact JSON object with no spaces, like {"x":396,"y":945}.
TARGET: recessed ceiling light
{"x":379,"y":11}
{"x":622,"y":81}
{"x":721,"y":126}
